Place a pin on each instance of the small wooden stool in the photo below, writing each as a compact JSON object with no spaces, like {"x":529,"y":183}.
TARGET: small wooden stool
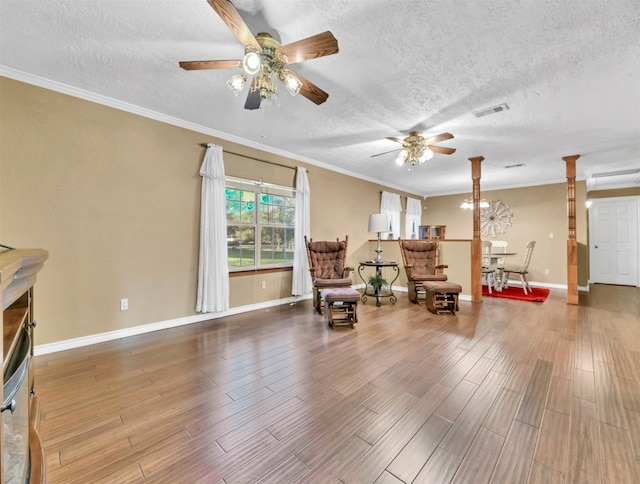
{"x":340,"y":306}
{"x":442,"y":296}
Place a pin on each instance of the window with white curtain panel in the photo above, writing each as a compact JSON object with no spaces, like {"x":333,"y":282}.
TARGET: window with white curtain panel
{"x":260,"y":224}
{"x":390,"y":205}
{"x":412,"y":218}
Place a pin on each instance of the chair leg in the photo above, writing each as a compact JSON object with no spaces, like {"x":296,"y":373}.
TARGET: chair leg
{"x":489,"y":277}
{"x":524,"y":284}
{"x":317,"y":300}
{"x":411,"y":291}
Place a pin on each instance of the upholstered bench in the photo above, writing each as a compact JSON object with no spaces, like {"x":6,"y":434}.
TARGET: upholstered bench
{"x":340,"y":305}
{"x":442,"y":296}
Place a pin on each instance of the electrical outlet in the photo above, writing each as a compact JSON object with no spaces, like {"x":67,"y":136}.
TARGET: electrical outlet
{"x":124,"y":304}
{"x":546,"y":272}
{"x":551,"y":235}
{"x":264,"y":284}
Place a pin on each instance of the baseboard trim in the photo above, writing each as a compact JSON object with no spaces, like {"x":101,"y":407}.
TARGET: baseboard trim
{"x":148,"y":328}
{"x":198,"y":318}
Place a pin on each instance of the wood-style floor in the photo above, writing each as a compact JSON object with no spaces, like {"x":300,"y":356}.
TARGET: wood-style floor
{"x":504,"y":392}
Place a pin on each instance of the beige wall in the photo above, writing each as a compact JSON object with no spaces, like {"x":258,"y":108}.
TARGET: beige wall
{"x":114,"y":198}
{"x":620,"y":192}
{"x":537,"y":212}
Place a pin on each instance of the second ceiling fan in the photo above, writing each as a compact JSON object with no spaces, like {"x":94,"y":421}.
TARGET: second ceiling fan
{"x":264,"y":59}
{"x":417,"y":149}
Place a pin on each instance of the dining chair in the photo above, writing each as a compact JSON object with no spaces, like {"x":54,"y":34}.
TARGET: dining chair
{"x":521,"y":271}
{"x":488,"y":272}
{"x":499,"y":246}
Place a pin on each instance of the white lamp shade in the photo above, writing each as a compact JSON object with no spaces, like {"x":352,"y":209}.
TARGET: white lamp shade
{"x":401,"y":158}
{"x":426,"y":155}
{"x":378,"y":222}
{"x":236,"y":83}
{"x":292,"y":83}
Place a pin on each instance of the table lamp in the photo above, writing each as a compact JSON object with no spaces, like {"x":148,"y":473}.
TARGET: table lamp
{"x":378,"y":222}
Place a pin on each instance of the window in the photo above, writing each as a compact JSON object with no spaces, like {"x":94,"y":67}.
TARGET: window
{"x":413,"y":216}
{"x":391,"y":206}
{"x":260,"y":225}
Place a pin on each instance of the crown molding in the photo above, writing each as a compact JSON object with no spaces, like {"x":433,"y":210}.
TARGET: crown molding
{"x":55,"y":86}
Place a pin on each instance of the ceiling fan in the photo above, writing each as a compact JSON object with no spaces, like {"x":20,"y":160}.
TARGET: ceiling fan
{"x":264,"y":59}
{"x":417,"y":149}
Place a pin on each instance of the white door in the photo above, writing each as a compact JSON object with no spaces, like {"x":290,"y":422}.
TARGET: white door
{"x":613,"y":241}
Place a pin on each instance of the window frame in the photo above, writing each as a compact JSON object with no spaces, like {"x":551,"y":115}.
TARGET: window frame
{"x":260,"y":189}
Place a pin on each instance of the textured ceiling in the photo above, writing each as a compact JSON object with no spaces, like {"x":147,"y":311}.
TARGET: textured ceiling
{"x":569,"y":71}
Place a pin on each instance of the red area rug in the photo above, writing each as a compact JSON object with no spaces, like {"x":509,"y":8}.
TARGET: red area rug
{"x":537,"y":294}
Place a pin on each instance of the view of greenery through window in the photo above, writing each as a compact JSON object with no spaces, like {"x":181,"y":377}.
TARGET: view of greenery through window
{"x":272,"y":216}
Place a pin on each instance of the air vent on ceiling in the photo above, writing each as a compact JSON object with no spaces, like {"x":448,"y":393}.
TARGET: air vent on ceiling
{"x":495,"y":109}
{"x":514,"y":166}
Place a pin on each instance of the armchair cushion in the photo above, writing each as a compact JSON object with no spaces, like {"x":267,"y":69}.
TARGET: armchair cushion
{"x":418,"y":278}
{"x":337,"y":282}
{"x":327,"y":259}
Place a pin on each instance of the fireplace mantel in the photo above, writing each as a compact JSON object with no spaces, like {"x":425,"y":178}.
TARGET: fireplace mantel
{"x":18,"y":272}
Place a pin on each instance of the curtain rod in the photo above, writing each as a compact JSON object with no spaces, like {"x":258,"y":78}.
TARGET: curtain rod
{"x":406,"y":196}
{"x":256,"y":159}
{"x":260,"y":183}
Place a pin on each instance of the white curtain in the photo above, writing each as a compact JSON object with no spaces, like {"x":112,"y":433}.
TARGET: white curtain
{"x":412,"y":218}
{"x":213,"y":266}
{"x":301,"y":278}
{"x":390,"y":204}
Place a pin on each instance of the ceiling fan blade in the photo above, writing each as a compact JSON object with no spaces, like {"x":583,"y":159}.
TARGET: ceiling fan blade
{"x":253,"y":98}
{"x":386,"y":152}
{"x":439,"y":137}
{"x":210,"y":64}
{"x":442,"y":150}
{"x":309,"y":90}
{"x":393,"y":138}
{"x":312,"y":47}
{"x":231,"y":17}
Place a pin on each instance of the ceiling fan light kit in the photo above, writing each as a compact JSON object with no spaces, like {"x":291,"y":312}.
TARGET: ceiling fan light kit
{"x":265,"y":59}
{"x":251,"y":62}
{"x":413,"y":155}
{"x":236,"y":83}
{"x":291,"y":82}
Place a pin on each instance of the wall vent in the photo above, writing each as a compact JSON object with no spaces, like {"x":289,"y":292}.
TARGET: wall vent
{"x":495,"y":109}
{"x":614,"y":179}
{"x":616,"y":173}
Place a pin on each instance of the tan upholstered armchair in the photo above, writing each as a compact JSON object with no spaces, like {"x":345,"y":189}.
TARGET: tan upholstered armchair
{"x":420,"y":259}
{"x":327,"y":261}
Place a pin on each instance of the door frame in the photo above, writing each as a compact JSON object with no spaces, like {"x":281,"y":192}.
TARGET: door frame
{"x":592,"y":201}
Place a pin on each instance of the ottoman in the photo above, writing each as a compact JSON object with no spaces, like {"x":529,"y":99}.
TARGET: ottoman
{"x":340,"y":306}
{"x":442,"y":296}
